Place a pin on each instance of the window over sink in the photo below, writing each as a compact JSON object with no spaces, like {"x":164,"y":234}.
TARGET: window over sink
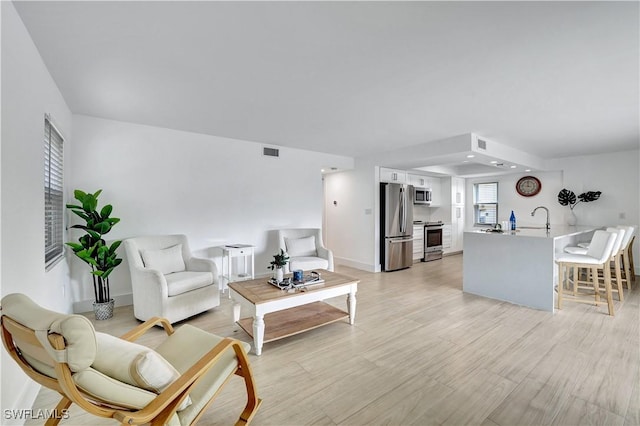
{"x":485,"y":203}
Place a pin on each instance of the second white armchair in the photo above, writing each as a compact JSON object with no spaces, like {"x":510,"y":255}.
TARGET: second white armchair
{"x":305,"y":249}
{"x":167,"y":281}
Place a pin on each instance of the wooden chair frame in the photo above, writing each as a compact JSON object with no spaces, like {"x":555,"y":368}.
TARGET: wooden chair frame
{"x":593,"y":273}
{"x":158,"y":411}
{"x":628,"y":270}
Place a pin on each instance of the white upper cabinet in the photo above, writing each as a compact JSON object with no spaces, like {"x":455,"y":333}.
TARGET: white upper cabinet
{"x":418,"y":181}
{"x":393,"y":175}
{"x":435,"y":183}
{"x":457,"y":191}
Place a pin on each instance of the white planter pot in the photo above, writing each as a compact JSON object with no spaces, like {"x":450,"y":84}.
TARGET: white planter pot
{"x":279,"y":275}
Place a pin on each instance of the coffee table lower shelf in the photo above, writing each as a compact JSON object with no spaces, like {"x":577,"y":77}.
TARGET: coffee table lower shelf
{"x":288,"y":322}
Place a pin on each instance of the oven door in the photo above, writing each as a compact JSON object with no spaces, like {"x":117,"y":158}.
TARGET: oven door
{"x":432,"y":243}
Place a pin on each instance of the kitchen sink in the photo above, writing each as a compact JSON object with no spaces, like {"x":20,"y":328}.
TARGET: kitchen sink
{"x":531,"y":227}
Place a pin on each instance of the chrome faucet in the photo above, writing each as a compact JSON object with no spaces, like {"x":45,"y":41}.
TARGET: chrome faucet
{"x":547,"y":210}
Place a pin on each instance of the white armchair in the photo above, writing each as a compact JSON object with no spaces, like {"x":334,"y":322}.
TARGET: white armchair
{"x":167,"y":281}
{"x":305,"y":249}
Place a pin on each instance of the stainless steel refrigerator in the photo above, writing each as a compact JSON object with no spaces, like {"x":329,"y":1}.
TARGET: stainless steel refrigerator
{"x":396,"y":226}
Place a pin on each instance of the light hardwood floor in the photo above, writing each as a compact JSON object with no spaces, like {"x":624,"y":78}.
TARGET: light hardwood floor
{"x":422,"y":352}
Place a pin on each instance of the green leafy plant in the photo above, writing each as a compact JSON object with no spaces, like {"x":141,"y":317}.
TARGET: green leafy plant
{"x":92,"y":248}
{"x":279,"y":260}
{"x":568,"y":198}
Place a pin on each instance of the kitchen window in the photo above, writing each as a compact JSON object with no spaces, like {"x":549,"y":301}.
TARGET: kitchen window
{"x":53,"y":195}
{"x":485,"y":203}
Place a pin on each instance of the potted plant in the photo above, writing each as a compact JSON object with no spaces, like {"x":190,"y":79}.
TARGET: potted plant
{"x":568,"y":198}
{"x":93,"y":249}
{"x":279,"y":261}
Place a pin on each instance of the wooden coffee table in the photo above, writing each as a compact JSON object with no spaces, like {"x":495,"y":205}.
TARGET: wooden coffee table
{"x":275,"y":314}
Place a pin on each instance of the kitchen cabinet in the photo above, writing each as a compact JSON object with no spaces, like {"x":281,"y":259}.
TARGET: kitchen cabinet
{"x":436,"y":191}
{"x":393,"y":175}
{"x":447,"y":236}
{"x":418,"y":242}
{"x":457,"y":191}
{"x":418,"y":181}
{"x":453,"y":189}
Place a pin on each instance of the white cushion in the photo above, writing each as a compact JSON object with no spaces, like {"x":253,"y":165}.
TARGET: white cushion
{"x":307,"y":263}
{"x":183,"y":349}
{"x":575,"y":250}
{"x":104,"y":388}
{"x":134,"y":364}
{"x":182,"y":282}
{"x":165,"y":260}
{"x":301,"y":246}
{"x":578,"y":258}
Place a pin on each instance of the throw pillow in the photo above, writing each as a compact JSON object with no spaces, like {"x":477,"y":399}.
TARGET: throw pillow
{"x":301,"y":246}
{"x":165,"y":260}
{"x":135,"y":365}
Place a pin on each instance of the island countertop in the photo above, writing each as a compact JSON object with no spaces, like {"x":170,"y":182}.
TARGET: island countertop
{"x":517,"y":267}
{"x":556,"y":231}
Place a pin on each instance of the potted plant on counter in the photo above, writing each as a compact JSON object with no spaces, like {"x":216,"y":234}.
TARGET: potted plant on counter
{"x":279,"y":261}
{"x":93,"y":249}
{"x":568,"y":198}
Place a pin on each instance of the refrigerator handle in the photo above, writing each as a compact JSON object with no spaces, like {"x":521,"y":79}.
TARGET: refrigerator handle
{"x":402,"y":211}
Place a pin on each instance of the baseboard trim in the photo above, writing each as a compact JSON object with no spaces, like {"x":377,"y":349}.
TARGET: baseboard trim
{"x":87,"y":305}
{"x":354,"y":264}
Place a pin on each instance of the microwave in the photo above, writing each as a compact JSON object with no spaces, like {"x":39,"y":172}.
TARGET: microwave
{"x":422,"y":196}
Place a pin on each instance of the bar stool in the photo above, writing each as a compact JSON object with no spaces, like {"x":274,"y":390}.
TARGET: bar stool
{"x":628,"y":271}
{"x":615,"y":262}
{"x":597,"y":258}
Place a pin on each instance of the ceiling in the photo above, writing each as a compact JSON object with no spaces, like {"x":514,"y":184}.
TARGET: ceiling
{"x":552,"y":79}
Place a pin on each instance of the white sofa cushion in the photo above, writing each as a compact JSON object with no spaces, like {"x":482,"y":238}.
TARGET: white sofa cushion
{"x":307,"y":263}
{"x":135,"y":365}
{"x":301,"y":246}
{"x":166,"y":261}
{"x":182,"y":282}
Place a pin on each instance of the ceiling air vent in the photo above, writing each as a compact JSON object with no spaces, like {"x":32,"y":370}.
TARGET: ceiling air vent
{"x":482,"y":144}
{"x":271,"y":152}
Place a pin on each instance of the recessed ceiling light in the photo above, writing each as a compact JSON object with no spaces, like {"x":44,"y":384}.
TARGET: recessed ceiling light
{"x":465,"y":161}
{"x":494,"y":162}
{"x":470,"y":156}
{"x":527,"y":170}
{"x":513,"y":167}
{"x":322,"y":170}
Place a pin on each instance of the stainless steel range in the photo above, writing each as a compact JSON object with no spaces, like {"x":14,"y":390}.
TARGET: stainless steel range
{"x":433,"y":241}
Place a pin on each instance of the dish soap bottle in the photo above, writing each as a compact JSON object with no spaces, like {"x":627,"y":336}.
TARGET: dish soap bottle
{"x":512,"y":221}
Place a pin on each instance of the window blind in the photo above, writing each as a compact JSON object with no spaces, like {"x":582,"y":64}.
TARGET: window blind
{"x":486,"y":203}
{"x":53,"y":194}
{"x":487,"y":193}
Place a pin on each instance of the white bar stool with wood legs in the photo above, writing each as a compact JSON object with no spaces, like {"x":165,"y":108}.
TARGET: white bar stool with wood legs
{"x":615,"y":263}
{"x":628,"y":271}
{"x":596,"y":259}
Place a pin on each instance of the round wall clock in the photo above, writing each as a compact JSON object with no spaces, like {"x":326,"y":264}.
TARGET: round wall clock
{"x":528,"y":186}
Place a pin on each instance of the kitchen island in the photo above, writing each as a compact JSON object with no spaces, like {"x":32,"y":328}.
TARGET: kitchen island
{"x":518,"y":266}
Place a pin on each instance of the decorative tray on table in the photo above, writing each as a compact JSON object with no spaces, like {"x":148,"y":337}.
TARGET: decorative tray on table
{"x":308,"y":280}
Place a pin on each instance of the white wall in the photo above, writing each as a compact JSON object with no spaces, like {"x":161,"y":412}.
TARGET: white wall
{"x":509,"y":199}
{"x":215,"y":190}
{"x":351,"y":223}
{"x":28,"y":92}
